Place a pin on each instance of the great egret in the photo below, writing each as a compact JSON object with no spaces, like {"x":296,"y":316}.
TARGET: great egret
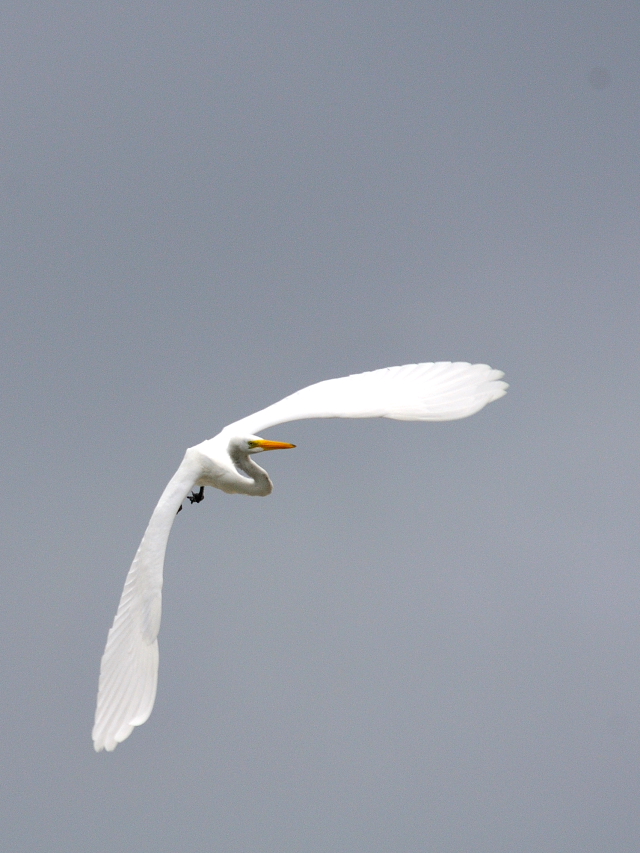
{"x":439,"y":391}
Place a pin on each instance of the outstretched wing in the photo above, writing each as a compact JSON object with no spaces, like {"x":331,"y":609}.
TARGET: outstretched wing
{"x":433,"y":391}
{"x":129,"y":667}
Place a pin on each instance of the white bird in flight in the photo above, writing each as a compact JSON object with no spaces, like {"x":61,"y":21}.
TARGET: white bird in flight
{"x":440,"y":391}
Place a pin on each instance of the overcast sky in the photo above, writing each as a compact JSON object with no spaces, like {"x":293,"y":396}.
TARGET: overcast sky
{"x":428,"y":637}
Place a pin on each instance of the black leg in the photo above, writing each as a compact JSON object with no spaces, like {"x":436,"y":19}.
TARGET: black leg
{"x":196,"y":497}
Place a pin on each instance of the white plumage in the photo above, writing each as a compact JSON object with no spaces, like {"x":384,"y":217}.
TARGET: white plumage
{"x":439,"y":391}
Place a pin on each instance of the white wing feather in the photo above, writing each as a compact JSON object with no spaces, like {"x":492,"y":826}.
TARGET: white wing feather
{"x":129,"y":666}
{"x":432,"y":391}
{"x":437,"y":391}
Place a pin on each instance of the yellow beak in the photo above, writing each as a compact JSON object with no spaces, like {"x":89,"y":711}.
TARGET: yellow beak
{"x":271,"y":445}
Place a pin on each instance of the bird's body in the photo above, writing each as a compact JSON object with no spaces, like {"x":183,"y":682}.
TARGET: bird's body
{"x":428,"y":392}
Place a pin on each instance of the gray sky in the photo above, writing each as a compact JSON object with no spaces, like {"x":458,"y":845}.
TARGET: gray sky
{"x":427,"y":638}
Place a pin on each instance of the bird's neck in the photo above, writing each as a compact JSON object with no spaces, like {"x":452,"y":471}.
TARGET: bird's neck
{"x":258,"y":482}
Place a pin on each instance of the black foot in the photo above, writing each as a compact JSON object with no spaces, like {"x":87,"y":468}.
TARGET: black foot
{"x":196,"y":497}
{"x":179,"y":509}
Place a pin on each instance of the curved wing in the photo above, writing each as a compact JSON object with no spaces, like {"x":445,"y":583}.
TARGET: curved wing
{"x":433,"y":391}
{"x":129,"y":667}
